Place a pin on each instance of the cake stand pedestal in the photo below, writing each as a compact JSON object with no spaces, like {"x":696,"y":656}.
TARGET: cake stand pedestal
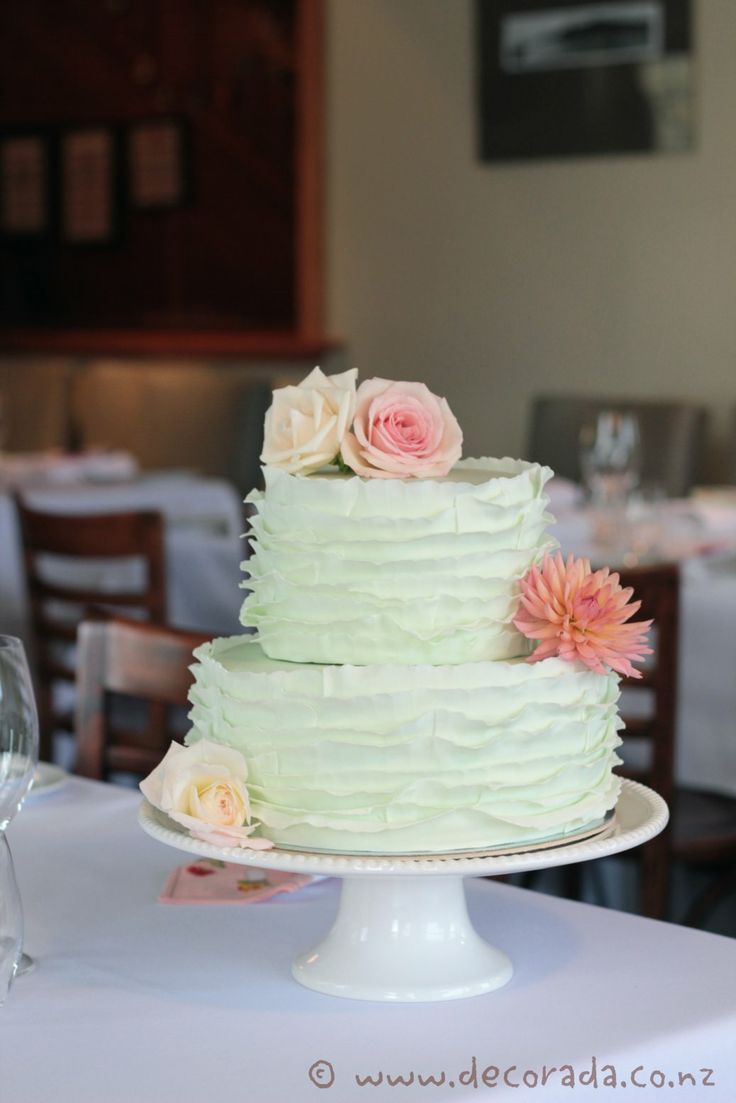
{"x":403,"y":939}
{"x":402,"y":932}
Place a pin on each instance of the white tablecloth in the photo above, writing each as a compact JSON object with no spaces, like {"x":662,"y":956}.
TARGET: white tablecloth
{"x":706,"y":724}
{"x":137,"y":1001}
{"x":203,"y":545}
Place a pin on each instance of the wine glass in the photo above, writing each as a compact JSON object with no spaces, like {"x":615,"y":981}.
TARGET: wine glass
{"x":11,"y":921}
{"x":610,"y":458}
{"x":18,"y":760}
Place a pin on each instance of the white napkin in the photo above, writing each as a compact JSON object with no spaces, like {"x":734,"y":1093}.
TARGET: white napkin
{"x":61,"y":469}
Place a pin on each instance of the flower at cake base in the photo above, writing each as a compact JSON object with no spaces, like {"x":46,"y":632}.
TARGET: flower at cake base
{"x":305,"y":425}
{"x":577,"y":613}
{"x":202,"y":787}
{"x":401,"y":430}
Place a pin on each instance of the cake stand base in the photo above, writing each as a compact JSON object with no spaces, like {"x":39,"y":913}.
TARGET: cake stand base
{"x":404,"y":940}
{"x":402,"y":932}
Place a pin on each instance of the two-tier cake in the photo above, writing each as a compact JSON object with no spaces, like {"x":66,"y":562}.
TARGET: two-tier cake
{"x":387,"y":702}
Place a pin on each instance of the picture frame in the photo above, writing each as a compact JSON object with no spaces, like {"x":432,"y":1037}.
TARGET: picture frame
{"x":89,"y":178}
{"x":26,"y":202}
{"x":577,"y":78}
{"x":157,"y":163}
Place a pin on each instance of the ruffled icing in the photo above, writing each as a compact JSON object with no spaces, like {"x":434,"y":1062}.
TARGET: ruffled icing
{"x":361,"y":571}
{"x":412,"y":758}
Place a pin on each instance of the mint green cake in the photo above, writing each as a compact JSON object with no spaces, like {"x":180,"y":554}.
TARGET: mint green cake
{"x":385,"y":704}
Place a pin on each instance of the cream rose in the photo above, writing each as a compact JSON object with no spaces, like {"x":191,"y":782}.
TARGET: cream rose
{"x":202,"y":787}
{"x":305,"y":425}
{"x":401,"y":430}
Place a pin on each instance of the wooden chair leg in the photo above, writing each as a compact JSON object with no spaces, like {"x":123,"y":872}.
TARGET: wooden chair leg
{"x":45,"y":722}
{"x":573,"y":881}
{"x":655,"y":870}
{"x":707,"y":900}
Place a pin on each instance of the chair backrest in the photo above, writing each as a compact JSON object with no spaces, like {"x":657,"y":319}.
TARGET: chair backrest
{"x":149,"y":662}
{"x":133,"y":535}
{"x":57,"y":605}
{"x":672,"y":436}
{"x":657,"y":588}
{"x":653,"y":725}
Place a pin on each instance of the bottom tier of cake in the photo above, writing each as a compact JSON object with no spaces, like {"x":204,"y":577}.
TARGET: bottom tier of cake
{"x":412,"y":759}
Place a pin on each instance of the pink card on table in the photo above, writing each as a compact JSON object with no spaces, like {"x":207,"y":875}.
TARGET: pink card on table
{"x":209,"y":881}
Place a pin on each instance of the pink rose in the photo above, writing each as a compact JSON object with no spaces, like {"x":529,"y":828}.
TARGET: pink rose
{"x":401,"y":430}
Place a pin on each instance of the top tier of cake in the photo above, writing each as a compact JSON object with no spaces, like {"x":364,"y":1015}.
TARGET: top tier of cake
{"x":361,"y":571}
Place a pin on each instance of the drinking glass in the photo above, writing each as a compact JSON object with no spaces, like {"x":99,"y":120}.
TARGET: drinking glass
{"x":18,"y":761}
{"x":610,"y":458}
{"x":11,"y":920}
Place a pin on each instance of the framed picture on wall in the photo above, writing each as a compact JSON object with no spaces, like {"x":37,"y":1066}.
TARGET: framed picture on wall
{"x":25,"y":178}
{"x":157,"y":156}
{"x":89,"y":169}
{"x":570,"y":78}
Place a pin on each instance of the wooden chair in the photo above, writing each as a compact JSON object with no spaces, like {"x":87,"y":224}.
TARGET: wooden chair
{"x":702,"y":829}
{"x":57,"y":608}
{"x":149,"y":662}
{"x":672,"y":436}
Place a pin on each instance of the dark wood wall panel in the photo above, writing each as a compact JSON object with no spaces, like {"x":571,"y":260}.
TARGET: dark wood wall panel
{"x":230,"y":70}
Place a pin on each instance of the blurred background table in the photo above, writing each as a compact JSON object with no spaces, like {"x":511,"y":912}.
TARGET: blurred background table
{"x":203,"y":525}
{"x":699,"y":533}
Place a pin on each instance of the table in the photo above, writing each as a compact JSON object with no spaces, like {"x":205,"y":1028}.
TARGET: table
{"x":701,"y":535}
{"x":134,"y":1000}
{"x":203,"y":544}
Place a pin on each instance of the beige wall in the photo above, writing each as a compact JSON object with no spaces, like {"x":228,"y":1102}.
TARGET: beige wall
{"x":493,"y":283}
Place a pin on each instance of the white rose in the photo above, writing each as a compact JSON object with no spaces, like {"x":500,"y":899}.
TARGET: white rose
{"x":203,"y":788}
{"x":221,"y":801}
{"x":306,"y":425}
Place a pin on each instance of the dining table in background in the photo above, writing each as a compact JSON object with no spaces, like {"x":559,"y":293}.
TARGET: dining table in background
{"x":203,"y":543}
{"x":132,"y":999}
{"x":698,"y":533}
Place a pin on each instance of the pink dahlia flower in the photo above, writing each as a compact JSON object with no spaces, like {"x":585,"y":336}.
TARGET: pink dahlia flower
{"x":581,"y":614}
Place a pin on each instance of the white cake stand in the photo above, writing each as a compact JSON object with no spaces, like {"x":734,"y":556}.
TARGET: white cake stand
{"x":402,"y":932}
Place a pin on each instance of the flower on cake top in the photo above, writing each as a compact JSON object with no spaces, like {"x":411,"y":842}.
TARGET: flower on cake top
{"x":577,"y":613}
{"x":305,"y":425}
{"x":401,"y":430}
{"x":202,"y":787}
{"x":385,"y":430}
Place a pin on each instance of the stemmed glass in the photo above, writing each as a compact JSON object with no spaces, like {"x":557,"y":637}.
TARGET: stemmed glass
{"x":610,"y":458}
{"x":18,"y":761}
